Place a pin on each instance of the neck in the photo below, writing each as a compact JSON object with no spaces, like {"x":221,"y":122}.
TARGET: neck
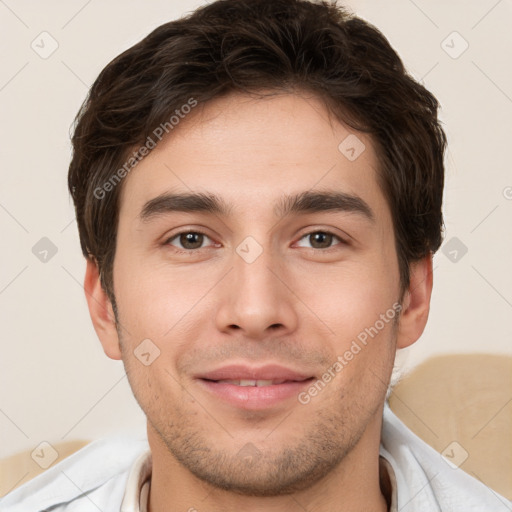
{"x":354,"y":485}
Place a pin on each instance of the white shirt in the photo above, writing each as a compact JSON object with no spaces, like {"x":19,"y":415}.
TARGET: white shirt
{"x":113,"y":475}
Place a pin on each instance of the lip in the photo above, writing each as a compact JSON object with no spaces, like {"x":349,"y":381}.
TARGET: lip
{"x":291,"y":384}
{"x":267,"y":372}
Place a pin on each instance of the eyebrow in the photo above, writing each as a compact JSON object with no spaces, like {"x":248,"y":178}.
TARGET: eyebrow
{"x":300,"y":203}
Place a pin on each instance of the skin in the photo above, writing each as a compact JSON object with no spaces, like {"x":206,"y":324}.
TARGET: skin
{"x":299,"y":304}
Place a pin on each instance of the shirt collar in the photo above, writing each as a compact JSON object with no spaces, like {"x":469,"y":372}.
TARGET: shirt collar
{"x":389,"y":485}
{"x":137,"y":486}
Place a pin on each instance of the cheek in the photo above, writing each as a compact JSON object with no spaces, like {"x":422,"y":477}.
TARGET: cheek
{"x":356,"y":311}
{"x":351,"y":298}
{"x":156,"y":301}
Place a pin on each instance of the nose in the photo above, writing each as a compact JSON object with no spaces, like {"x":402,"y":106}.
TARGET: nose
{"x":257,"y":298}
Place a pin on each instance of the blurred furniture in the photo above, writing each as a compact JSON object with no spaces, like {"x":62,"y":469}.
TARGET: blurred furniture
{"x":467,"y":399}
{"x":21,"y":467}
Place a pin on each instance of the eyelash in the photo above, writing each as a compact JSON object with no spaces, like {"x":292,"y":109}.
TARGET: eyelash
{"x":192,"y":251}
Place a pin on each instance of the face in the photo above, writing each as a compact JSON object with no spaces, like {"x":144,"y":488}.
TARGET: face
{"x":272,"y":330}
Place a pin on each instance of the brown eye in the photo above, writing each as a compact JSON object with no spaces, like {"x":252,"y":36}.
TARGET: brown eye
{"x":188,"y":240}
{"x":321,"y":239}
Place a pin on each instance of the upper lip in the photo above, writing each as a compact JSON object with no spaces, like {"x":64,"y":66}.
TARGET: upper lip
{"x":243,"y":372}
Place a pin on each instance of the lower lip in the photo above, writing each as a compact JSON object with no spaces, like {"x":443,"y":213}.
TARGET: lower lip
{"x":255,"y":397}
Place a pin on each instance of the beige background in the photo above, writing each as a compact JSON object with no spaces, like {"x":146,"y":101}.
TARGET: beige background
{"x":55,"y":382}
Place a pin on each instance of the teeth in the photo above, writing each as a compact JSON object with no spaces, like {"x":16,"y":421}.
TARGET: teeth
{"x":264,"y":383}
{"x":250,"y":382}
{"x":247,"y":383}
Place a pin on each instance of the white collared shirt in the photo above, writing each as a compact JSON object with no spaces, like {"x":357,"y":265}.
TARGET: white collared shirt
{"x":113,"y":474}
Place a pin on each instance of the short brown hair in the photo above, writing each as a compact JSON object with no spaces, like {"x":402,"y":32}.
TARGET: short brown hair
{"x":250,"y":46}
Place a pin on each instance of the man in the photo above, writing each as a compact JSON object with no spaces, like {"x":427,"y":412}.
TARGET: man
{"x":258,"y":190}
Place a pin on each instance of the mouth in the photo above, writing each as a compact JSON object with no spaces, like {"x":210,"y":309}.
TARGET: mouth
{"x":254,"y":388}
{"x":250,"y":382}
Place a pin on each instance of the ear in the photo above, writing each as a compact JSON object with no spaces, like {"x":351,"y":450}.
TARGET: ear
{"x":100,"y":309}
{"x":416,"y":302}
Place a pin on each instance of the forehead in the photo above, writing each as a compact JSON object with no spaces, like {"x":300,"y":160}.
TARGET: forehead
{"x":252,"y":151}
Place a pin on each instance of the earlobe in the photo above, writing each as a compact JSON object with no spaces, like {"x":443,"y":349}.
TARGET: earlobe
{"x":100,"y":309}
{"x":416,"y":302}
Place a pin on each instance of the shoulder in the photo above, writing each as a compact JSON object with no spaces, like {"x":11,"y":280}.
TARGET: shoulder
{"x":95,"y":475}
{"x":426,"y":481}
